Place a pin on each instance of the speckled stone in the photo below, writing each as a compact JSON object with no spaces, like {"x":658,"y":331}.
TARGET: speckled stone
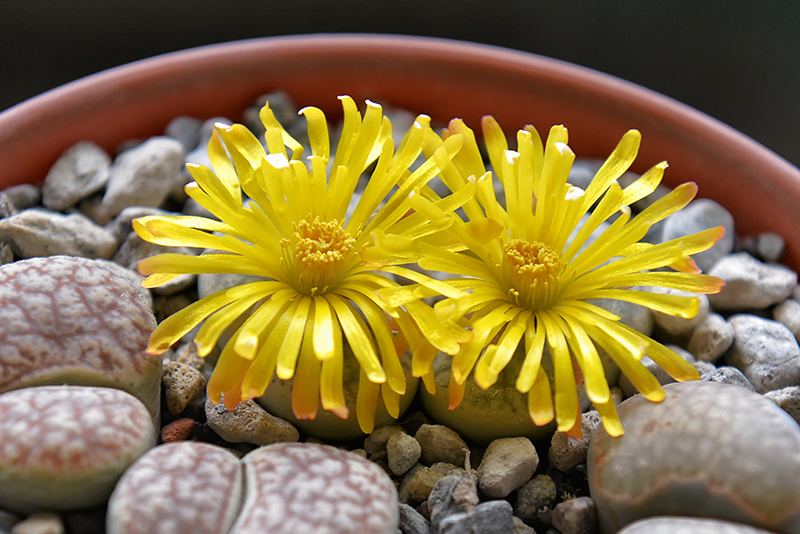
{"x":419,"y":481}
{"x":63,"y":447}
{"x":301,"y":487}
{"x":708,"y":449}
{"x":575,"y":516}
{"x":182,"y":384}
{"x":412,"y":522}
{"x":688,"y":525}
{"x":566,"y":453}
{"x":537,"y":494}
{"x":711,"y":338}
{"x":66,"y":320}
{"x":765,"y":351}
{"x":376,"y":442}
{"x":441,"y":444}
{"x":750,"y":284}
{"x":402,"y":452}
{"x":454,"y":494}
{"x":180,"y":487}
{"x":788,"y":399}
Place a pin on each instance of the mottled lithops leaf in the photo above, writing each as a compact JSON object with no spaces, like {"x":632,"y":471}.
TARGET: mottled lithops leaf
{"x":64,"y":447}
{"x":304,"y":487}
{"x":66,"y":320}
{"x":175,"y":488}
{"x":708,"y":450}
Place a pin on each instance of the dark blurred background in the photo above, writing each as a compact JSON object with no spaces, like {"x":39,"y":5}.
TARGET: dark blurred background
{"x":737,"y":60}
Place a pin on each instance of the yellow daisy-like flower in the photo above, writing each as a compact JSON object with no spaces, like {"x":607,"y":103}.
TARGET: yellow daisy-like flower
{"x":318,"y":293}
{"x":534,"y":279}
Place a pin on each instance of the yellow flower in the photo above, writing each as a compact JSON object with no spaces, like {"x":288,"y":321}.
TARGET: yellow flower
{"x":317,"y":292}
{"x":529,"y":276}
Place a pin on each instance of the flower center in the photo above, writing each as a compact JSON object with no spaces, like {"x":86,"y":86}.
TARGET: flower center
{"x":321,"y":251}
{"x":531,"y":273}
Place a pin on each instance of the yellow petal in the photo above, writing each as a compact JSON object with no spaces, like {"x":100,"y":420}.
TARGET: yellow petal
{"x":611,"y":422}
{"x":227,"y":378}
{"x":331,"y":377}
{"x":615,"y":166}
{"x":359,"y":339}
{"x":566,"y":395}
{"x":367,"y":402}
{"x":290,"y":345}
{"x":488,"y":369}
{"x":589,"y":361}
{"x":317,"y":132}
{"x":540,"y":400}
{"x":305,"y":389}
{"x":258,"y":326}
{"x":391,"y":400}
{"x":323,"y":343}
{"x":534,"y":348}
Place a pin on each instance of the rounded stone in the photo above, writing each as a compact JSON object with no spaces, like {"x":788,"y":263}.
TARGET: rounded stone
{"x":180,"y":487}
{"x":80,"y":171}
{"x":566,"y":453}
{"x":575,"y":516}
{"x":711,"y":450}
{"x":419,"y":481}
{"x":182,"y":384}
{"x":536,"y":494}
{"x":750,"y":284}
{"x":64,"y":447}
{"x":304,"y":487}
{"x":402,"y":452}
{"x":711,"y":338}
{"x":66,"y":320}
{"x":441,"y":444}
{"x":249,"y":423}
{"x":507,"y":464}
{"x":699,"y":215}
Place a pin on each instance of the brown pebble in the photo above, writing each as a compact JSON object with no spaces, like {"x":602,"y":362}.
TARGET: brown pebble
{"x":177,"y":430}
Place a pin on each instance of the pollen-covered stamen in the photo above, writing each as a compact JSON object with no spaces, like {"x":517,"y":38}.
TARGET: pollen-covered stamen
{"x":320,"y":252}
{"x":531,"y":273}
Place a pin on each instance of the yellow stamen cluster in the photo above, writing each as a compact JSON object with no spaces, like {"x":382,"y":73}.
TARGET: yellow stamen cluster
{"x":317,"y":254}
{"x":531,"y":273}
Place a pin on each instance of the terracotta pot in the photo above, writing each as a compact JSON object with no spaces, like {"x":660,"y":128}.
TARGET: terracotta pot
{"x":442,"y":78}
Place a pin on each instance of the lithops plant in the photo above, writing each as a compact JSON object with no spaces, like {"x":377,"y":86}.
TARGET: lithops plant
{"x":709,"y":450}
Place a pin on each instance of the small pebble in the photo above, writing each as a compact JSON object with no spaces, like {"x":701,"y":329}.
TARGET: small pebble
{"x":178,"y":430}
{"x":575,"y":516}
{"x":711,"y":338}
{"x":38,"y":232}
{"x":492,"y":517}
{"x":507,"y":464}
{"x":185,"y":130}
{"x":81,"y":171}
{"x":699,"y":215}
{"x":412,"y":522}
{"x":765,"y":351}
{"x":750,"y":284}
{"x":41,"y":523}
{"x":788,"y":314}
{"x":7,"y":209}
{"x":419,"y":481}
{"x":402,"y":452}
{"x":788,"y":399}
{"x":249,"y":423}
{"x":64,"y":447}
{"x":182,"y":383}
{"x":441,"y":444}
{"x":456,"y":493}
{"x":300,"y":487}
{"x":678,"y":326}
{"x":376,"y":442}
{"x":688,"y":525}
{"x":565,"y":452}
{"x":24,"y":196}
{"x":521,"y":528}
{"x":143,"y":176}
{"x":537,"y":494}
{"x":728,"y":375}
{"x":181,"y":487}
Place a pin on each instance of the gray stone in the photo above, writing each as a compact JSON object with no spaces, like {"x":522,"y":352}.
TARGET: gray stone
{"x":699,"y":215}
{"x":7,"y":209}
{"x":143,"y":176}
{"x":765,"y":351}
{"x":770,"y":246}
{"x":788,"y":313}
{"x":575,"y":516}
{"x":537,"y":494}
{"x":507,"y":464}
{"x":711,"y":450}
{"x":750,"y":284}
{"x":376,"y":442}
{"x":441,"y":444}
{"x":41,"y":523}
{"x":135,"y":249}
{"x":661,"y":375}
{"x":456,"y":493}
{"x":412,"y":522}
{"x":64,"y":447}
{"x":80,"y":172}
{"x":37,"y":233}
{"x":521,"y":528}
{"x":182,"y":384}
{"x":678,"y":326}
{"x":185,"y":130}
{"x":24,"y":196}
{"x":788,"y":399}
{"x":638,"y":317}
{"x":189,"y":486}
{"x":565,"y":452}
{"x":121,"y":226}
{"x":249,"y":423}
{"x":688,"y":525}
{"x":6,"y":254}
{"x":711,"y":338}
{"x":493,"y":517}
{"x":402,"y":452}
{"x":728,"y":375}
{"x":300,"y":487}
{"x":704,"y":367}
